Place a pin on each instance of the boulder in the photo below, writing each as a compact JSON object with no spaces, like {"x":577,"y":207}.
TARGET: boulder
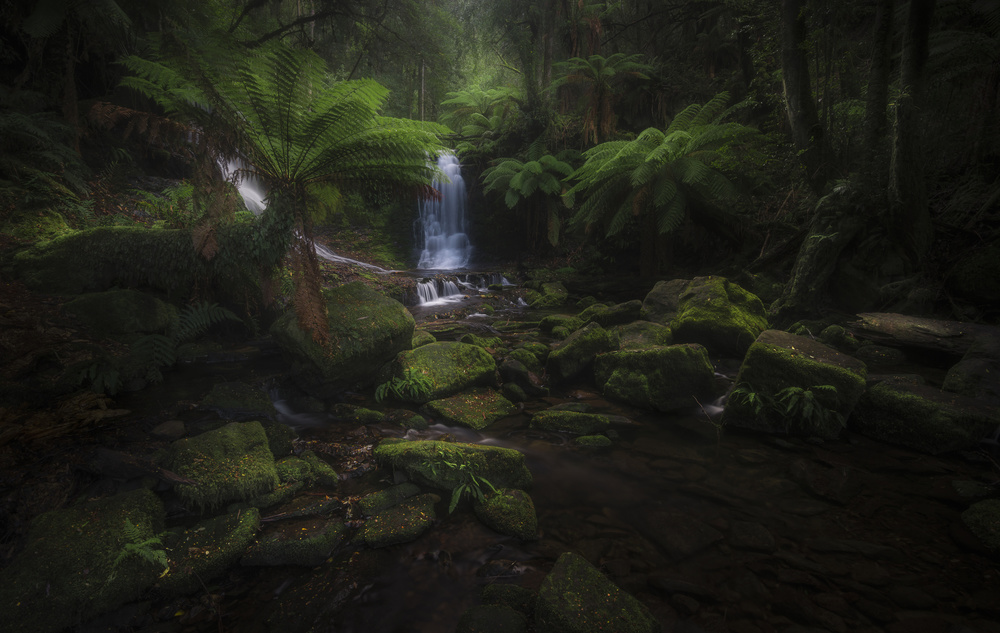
{"x":576,"y":354}
{"x":529,"y":359}
{"x":307,"y":542}
{"x":476,"y":409}
{"x":424,"y":462}
{"x":923,"y":417}
{"x":577,"y":598}
{"x":550,"y":294}
{"x":486,"y":342}
{"x":447,"y":368}
{"x":76,"y":563}
{"x":421,"y":337}
{"x":377,"y":501}
{"x":777,"y":361}
{"x":366,"y":330}
{"x":568,"y":322}
{"x":565,"y":421}
{"x":983,"y":520}
{"x":206,"y":550}
{"x":640,"y":334}
{"x":232,"y":463}
{"x":711,"y":311}
{"x":513,"y":372}
{"x":118,"y":312}
{"x":608,"y":316}
{"x":401,"y":523}
{"x":657,"y":378}
{"x":509,"y":511}
{"x":238,"y":400}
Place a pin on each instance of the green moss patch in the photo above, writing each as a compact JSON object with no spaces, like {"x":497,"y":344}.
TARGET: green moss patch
{"x":420,"y":338}
{"x":570,"y":422}
{"x":401,"y":523}
{"x":983,"y":519}
{"x":306,"y":542}
{"x":448,"y":367}
{"x":424,"y":462}
{"x":486,"y":342}
{"x":571,"y":323}
{"x":476,"y":408}
{"x":205,"y":551}
{"x":641,"y":334}
{"x":510,"y":512}
{"x":657,"y":378}
{"x":550,"y":294}
{"x":383,"y":499}
{"x":239,"y":399}
{"x":575,"y":355}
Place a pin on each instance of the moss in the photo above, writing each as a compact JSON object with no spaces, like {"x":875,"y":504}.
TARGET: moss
{"x":279,"y":437}
{"x":323,"y":472}
{"x":400,"y":523}
{"x":657,"y":378}
{"x":421,"y":337}
{"x":491,"y":342}
{"x":356,"y":415}
{"x":491,"y":619}
{"x":983,"y":519}
{"x":67,"y":572}
{"x":510,"y":512}
{"x":239,"y":398}
{"x":232,"y":463}
{"x":593,"y":441}
{"x":205,"y":551}
{"x":517,"y":598}
{"x":292,"y":469}
{"x":476,"y":409}
{"x":531,"y":361}
{"x":575,"y":355}
{"x":576,"y":597}
{"x":423,"y":461}
{"x":720,"y":315}
{"x":550,"y":295}
{"x":123,"y":311}
{"x":487,"y":309}
{"x":567,"y":322}
{"x":383,"y":499}
{"x":570,"y":422}
{"x":608,"y":316}
{"x":449,"y":367}
{"x":282,"y":494}
{"x":306,"y":542}
{"x":514,"y":392}
{"x":641,"y":334}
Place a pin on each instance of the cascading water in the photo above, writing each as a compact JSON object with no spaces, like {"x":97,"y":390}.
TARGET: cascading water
{"x":249,"y":188}
{"x":441,"y":226}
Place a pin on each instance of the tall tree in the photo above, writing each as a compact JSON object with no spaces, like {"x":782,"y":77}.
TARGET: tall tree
{"x":807,"y":133}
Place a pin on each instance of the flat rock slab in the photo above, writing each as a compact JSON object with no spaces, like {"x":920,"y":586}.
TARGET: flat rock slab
{"x":446,"y":465}
{"x":476,"y":408}
{"x":307,"y":542}
{"x":401,"y":523}
{"x":903,"y":330}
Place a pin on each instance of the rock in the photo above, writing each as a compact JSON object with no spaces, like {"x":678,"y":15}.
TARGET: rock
{"x":608,"y":316}
{"x":306,"y":542}
{"x":901,"y":330}
{"x":169,"y":430}
{"x":71,"y":567}
{"x":476,"y":409}
{"x":238,"y":400}
{"x":487,"y":343}
{"x":421,"y":338}
{"x":576,"y":354}
{"x":491,"y":619}
{"x":401,"y":523}
{"x":232,"y":463}
{"x":355,"y":414}
{"x":642,"y":334}
{"x":551,"y":294}
{"x":593,"y":441}
{"x":448,"y":368}
{"x":513,"y":392}
{"x":923,"y":418}
{"x":517,"y":598}
{"x":509,"y":511}
{"x":561,"y":420}
{"x":528,"y":358}
{"x":837,"y":483}
{"x":118,"y":312}
{"x":577,"y":598}
{"x":383,"y":499}
{"x":203,"y":552}
{"x":423,"y":462}
{"x":711,"y":311}
{"x":366,"y":330}
{"x":975,"y":378}
{"x":322,"y":472}
{"x":657,"y":378}
{"x":571,"y":323}
{"x":879,"y":355}
{"x":678,"y":535}
{"x":282,"y":494}
{"x":292,"y":469}
{"x":752,"y":536}
{"x":779,"y":360}
{"x":983,"y":520}
{"x":515,"y":372}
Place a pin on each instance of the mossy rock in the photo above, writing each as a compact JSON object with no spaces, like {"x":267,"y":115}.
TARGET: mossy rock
{"x":401,"y":523}
{"x":779,"y":360}
{"x":423,"y":462}
{"x":205,"y":551}
{"x":307,"y":542}
{"x":576,"y":354}
{"x":510,"y":512}
{"x":67,"y":571}
{"x":491,"y":619}
{"x":593,"y":441}
{"x":711,"y":311}
{"x":232,"y":463}
{"x":420,"y":338}
{"x":323,"y":472}
{"x":282,"y":494}
{"x":514,"y":392}
{"x":291,"y":469}
{"x":366,"y":330}
{"x":565,"y":421}
{"x":983,"y":519}
{"x":974,"y":377}
{"x":551,"y":294}
{"x":238,"y":399}
{"x":486,"y":342}
{"x":657,"y":378}
{"x":570,"y":323}
{"x":528,"y":358}
{"x":923,"y":418}
{"x":514,"y":372}
{"x":577,"y":598}
{"x":517,"y":598}
{"x":355,"y":414}
{"x":609,"y":316}
{"x":383,"y":499}
{"x":122,"y":312}
{"x":641,"y":334}
{"x":476,"y":408}
{"x":449,"y":367}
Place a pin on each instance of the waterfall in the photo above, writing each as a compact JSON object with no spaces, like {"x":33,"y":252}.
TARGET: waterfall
{"x":441,"y":225}
{"x":249,"y":187}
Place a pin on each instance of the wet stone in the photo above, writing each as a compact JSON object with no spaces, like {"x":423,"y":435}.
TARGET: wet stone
{"x":752,"y":536}
{"x":678,"y":535}
{"x":838,"y":483}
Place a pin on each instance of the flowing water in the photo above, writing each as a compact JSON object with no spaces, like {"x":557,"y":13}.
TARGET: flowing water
{"x":440,"y":230}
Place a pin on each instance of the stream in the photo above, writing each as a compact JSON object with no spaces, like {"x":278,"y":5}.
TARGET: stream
{"x":711,"y":528}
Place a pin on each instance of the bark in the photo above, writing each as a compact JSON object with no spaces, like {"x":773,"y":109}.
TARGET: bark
{"x":807,"y":133}
{"x":909,"y":216}
{"x":878,"y":82}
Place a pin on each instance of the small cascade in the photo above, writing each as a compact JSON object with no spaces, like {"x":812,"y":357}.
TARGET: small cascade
{"x":250,"y":188}
{"x":440,"y":229}
{"x":330,"y":256}
{"x":437,"y":291}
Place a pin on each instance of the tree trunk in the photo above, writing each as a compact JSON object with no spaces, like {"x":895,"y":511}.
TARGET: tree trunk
{"x":878,"y":87}
{"x":909,"y":216}
{"x":807,"y":133}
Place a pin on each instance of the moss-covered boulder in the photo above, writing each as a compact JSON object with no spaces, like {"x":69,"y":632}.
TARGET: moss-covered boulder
{"x":711,"y":311}
{"x":420,"y":338}
{"x":576,"y":354}
{"x":205,"y":551}
{"x":593,"y":442}
{"x":393,"y":495}
{"x":366,"y":330}
{"x":75,"y":564}
{"x":520,"y":599}
{"x":401,"y":523}
{"x":509,"y":511}
{"x":491,"y":619}
{"x":657,"y":378}
{"x":514,"y":372}
{"x":609,"y":316}
{"x":571,"y":323}
{"x":476,"y":408}
{"x":641,"y":334}
{"x":550,"y":294}
{"x":529,"y":358}
{"x":780,"y":360}
{"x":231,"y":463}
{"x":923,"y":418}
{"x":238,"y":400}
{"x":307,"y":542}
{"x":486,"y":342}
{"x":447,"y":368}
{"x":322,"y":472}
{"x":565,"y":421}
{"x":122,"y":312}
{"x":577,"y":598}
{"x":424,"y":462}
{"x":983,"y":520}
{"x":354,"y":414}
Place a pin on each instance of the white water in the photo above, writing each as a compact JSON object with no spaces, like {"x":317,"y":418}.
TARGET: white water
{"x":330,"y":256}
{"x":440,"y":228}
{"x":249,"y":188}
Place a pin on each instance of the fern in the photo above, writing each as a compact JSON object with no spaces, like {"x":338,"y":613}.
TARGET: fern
{"x":414,"y":387}
{"x":149,"y":549}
